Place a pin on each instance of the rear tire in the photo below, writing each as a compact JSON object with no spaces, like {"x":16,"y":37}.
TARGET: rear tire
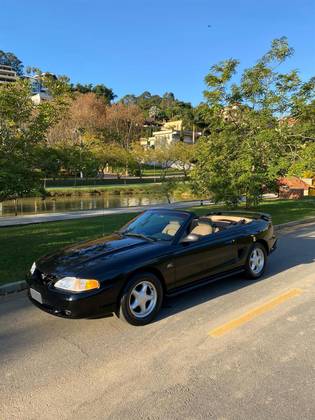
{"x":141,"y":299}
{"x":256,"y":261}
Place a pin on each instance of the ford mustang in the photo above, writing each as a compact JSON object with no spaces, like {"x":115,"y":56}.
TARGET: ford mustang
{"x":159,"y":253}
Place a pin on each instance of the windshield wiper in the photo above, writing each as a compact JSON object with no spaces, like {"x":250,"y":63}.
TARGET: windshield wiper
{"x":139,"y":235}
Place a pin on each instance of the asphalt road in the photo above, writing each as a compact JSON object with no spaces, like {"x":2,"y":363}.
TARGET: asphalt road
{"x":262,"y":367}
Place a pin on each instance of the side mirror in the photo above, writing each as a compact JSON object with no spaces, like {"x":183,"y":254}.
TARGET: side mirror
{"x":192,"y":237}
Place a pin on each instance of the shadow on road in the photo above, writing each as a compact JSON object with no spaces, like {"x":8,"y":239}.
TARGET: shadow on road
{"x":294,"y":249}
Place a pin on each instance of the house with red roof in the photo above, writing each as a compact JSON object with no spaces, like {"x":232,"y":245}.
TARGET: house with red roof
{"x":293,"y":188}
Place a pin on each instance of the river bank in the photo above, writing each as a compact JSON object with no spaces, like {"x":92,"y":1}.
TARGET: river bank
{"x":87,"y":198}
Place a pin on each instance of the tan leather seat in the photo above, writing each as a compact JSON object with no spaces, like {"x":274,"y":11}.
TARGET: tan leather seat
{"x":218,"y":218}
{"x":171,"y":228}
{"x":202,"y":229}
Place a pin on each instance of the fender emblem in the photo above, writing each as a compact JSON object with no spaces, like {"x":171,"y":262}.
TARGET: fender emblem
{"x":170,"y":265}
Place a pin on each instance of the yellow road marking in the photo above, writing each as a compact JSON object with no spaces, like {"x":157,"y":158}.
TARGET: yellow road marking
{"x":253,"y":313}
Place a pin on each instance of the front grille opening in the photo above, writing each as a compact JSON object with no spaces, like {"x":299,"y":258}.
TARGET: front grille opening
{"x":47,"y":278}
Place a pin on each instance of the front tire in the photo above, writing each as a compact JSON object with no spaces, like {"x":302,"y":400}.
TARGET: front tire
{"x":141,"y":299}
{"x":256,"y":261}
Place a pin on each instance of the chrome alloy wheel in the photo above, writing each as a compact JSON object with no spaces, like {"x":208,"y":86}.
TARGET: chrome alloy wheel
{"x":143,"y":298}
{"x":257,"y":260}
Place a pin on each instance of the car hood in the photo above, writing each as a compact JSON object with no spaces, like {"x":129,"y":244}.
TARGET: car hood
{"x":79,"y":257}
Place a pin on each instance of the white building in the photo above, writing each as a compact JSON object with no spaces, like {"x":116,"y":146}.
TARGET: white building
{"x":39,"y":92}
{"x":171,"y":132}
{"x":7,"y":74}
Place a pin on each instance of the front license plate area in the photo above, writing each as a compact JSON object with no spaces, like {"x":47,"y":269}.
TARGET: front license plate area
{"x":36,"y":295}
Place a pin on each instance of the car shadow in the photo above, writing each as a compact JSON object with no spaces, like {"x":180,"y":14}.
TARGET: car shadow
{"x":294,"y":249}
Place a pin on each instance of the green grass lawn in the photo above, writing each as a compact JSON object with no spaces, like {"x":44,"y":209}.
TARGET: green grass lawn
{"x":20,"y":246}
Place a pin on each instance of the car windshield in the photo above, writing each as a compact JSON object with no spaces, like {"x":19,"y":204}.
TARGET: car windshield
{"x":153,"y":225}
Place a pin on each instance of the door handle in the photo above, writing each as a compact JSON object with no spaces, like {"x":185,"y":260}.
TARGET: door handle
{"x":230,"y":242}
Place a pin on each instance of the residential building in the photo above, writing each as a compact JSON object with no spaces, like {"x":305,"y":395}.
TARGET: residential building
{"x":39,"y":92}
{"x":293,"y":187}
{"x":311,"y":183}
{"x":7,"y":74}
{"x":171,"y":132}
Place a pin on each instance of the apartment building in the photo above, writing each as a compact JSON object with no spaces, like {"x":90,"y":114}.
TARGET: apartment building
{"x":7,"y":74}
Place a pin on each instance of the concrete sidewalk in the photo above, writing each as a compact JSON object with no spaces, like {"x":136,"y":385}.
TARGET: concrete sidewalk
{"x":54,"y":217}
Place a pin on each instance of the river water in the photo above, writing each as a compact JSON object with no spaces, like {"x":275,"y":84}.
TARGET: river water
{"x":35,"y":205}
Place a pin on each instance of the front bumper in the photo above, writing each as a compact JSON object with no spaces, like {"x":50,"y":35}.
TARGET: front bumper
{"x":73,"y":305}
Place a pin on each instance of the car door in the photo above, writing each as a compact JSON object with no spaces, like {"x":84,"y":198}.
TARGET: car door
{"x":210,"y":255}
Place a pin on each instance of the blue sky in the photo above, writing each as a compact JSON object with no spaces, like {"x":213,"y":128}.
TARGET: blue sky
{"x":160,"y":45}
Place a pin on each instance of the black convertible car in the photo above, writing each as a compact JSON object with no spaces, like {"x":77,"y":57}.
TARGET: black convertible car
{"x":161,"y":252}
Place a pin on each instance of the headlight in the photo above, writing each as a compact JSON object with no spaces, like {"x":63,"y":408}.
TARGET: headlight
{"x":33,"y":268}
{"x":73,"y":284}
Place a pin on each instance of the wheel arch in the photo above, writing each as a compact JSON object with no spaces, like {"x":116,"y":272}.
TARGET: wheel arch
{"x":153,"y":270}
{"x":264,"y":243}
{"x":148,"y":269}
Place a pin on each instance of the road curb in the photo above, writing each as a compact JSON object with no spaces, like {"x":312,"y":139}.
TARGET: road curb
{"x":18,"y":286}
{"x":294,"y":223}
{"x":14,"y":287}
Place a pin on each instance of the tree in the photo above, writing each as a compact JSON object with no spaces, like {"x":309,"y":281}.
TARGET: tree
{"x":164,"y":156}
{"x":92,"y":125}
{"x":77,"y":160}
{"x":23,"y":128}
{"x":168,"y":187}
{"x":114,"y":156}
{"x":124,"y":123}
{"x":103,"y":92}
{"x":185,"y":156}
{"x":49,"y":161}
{"x":140,"y":156}
{"x":86,"y":114}
{"x":304,"y":166}
{"x":252,"y":139}
{"x":159,"y":108}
